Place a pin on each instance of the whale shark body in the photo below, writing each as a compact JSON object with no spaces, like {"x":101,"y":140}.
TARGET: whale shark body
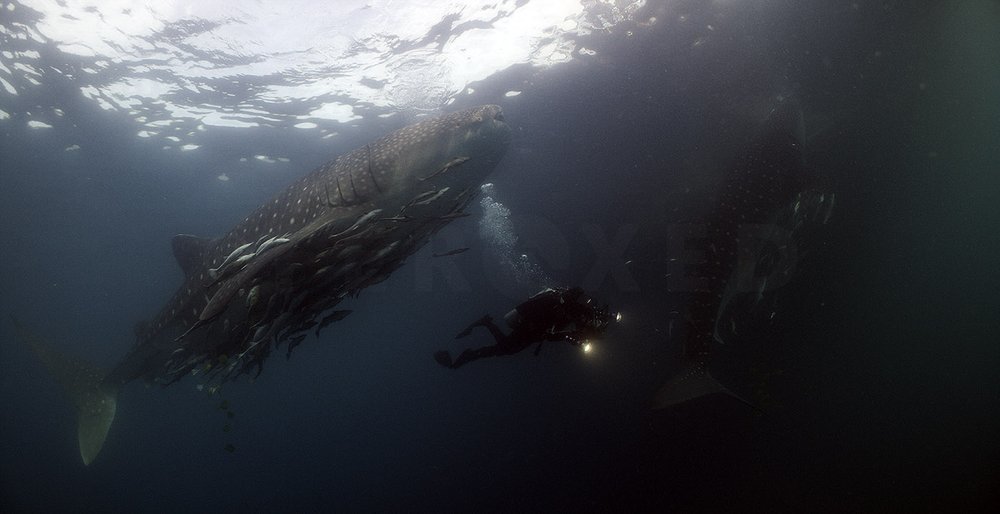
{"x":768,"y":198}
{"x":341,"y":228}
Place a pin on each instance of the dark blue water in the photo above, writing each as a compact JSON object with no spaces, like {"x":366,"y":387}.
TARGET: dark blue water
{"x":874,"y":384}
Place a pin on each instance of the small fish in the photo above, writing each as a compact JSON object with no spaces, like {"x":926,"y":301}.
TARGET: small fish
{"x":464,"y":196}
{"x":344,"y":269}
{"x":421,"y":197}
{"x":272,"y":243}
{"x":428,"y":197}
{"x":231,"y":269}
{"x":364,"y":219}
{"x":253,"y":296}
{"x":259,"y":333}
{"x":457,"y":161}
{"x":829,"y":208}
{"x":385,"y":251}
{"x":397,"y":219}
{"x":213,"y":272}
{"x":333,"y":316}
{"x":297,"y":340}
{"x":451,"y":216}
{"x":265,"y":243}
{"x":456,"y":251}
{"x":243,"y":260}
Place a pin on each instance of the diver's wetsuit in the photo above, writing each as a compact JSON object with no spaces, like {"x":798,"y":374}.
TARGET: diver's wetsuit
{"x":550,"y":315}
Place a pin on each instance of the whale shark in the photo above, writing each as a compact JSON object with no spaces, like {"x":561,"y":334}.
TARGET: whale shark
{"x":747,"y":243}
{"x":342,"y":227}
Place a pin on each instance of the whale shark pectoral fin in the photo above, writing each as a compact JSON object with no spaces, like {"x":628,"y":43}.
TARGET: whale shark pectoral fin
{"x":95,"y":402}
{"x":693,"y":381}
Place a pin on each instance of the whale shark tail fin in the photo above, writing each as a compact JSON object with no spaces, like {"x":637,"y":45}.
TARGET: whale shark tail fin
{"x":693,"y":381}
{"x":83,"y":382}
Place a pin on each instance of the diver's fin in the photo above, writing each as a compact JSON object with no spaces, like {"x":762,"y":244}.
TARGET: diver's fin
{"x":694,"y":381}
{"x":95,"y":402}
{"x":443,"y":358}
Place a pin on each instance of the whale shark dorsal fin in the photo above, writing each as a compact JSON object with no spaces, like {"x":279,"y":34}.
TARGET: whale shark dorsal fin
{"x":190,"y":251}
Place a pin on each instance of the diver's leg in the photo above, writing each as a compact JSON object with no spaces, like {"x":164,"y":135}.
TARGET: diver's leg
{"x":483,"y":321}
{"x":498,"y":334}
{"x":470,"y":355}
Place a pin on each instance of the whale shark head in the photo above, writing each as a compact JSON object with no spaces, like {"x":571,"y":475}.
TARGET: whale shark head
{"x":455,"y":150}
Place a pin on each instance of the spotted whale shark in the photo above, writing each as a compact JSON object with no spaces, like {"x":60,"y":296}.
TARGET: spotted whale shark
{"x":768,"y":195}
{"x":337,"y":230}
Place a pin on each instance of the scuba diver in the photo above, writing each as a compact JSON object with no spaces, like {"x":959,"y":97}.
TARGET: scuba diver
{"x":550,"y":315}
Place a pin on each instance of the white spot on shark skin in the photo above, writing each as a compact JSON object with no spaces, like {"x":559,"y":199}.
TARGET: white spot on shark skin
{"x":38,"y":124}
{"x":72,"y":148}
{"x":223,"y":177}
{"x":187,"y":148}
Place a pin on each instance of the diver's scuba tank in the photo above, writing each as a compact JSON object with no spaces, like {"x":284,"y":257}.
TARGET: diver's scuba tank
{"x":513,"y":319}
